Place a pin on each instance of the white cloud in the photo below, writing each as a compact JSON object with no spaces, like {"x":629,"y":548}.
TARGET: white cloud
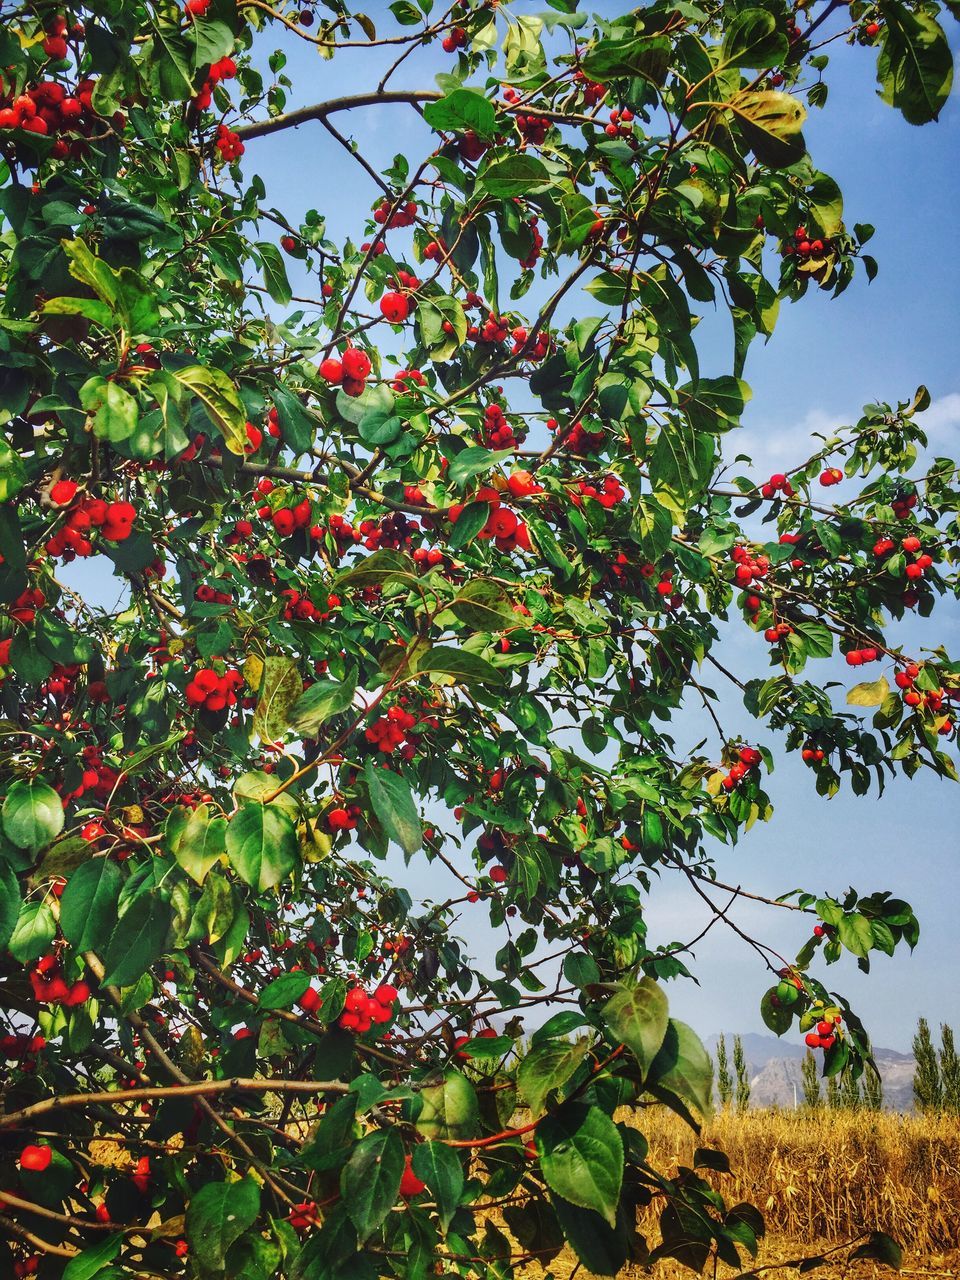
{"x":941,"y":421}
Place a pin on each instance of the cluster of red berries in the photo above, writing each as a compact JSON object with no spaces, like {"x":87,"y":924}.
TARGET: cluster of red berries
{"x":932,"y":700}
{"x":361,"y":1011}
{"x":497,"y":431}
{"x":579,"y":440}
{"x":778,"y":632}
{"x":61,"y":681}
{"x":522,"y":484}
{"x":389,"y":732}
{"x":113,"y":520}
{"x":803,"y":247}
{"x":407,"y":379}
{"x":49,"y":110}
{"x":824,"y":1034}
{"x":394,"y":530}
{"x":484,"y":1033}
{"x":350,"y":371}
{"x":747,"y":758}
{"x":97,"y":777}
{"x":429,"y":557}
{"x":533,"y":129}
{"x":812,"y":755}
{"x":611,"y":492}
{"x":530,"y":261}
{"x":471,"y":147}
{"x":748,"y":568}
{"x":435,"y":251}
{"x":832,"y":476}
{"x":287,"y":520}
{"x":24,"y":608}
{"x":494,"y":329}
{"x":301,"y":608}
{"x":665,"y":586}
{"x":506,"y":529}
{"x":593,"y":92}
{"x":28,"y":1267}
{"x":210,"y":595}
{"x":454,"y":40}
{"x":778,"y":483}
{"x":225,"y":69}
{"x":858,"y":657}
{"x":228,"y":143}
{"x":620,"y":125}
{"x":386,"y":216}
{"x":343,"y":819}
{"x":903,"y":505}
{"x":211,"y":691}
{"x":17,"y":1047}
{"x":916,"y":568}
{"x":541,"y":346}
{"x":49,"y":986}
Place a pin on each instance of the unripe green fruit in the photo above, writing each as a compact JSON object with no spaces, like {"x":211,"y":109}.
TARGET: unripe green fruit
{"x":787,"y":994}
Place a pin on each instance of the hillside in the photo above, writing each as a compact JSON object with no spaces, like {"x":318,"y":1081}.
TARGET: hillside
{"x":774,"y":1067}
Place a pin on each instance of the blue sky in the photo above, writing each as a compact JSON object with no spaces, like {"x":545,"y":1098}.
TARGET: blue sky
{"x":826,"y":359}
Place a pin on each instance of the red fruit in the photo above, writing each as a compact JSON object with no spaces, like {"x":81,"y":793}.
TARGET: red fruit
{"x":254,"y":439}
{"x":356,"y":364}
{"x":288,"y":244}
{"x":331,"y":371}
{"x":55,"y":47}
{"x":812,"y":1040}
{"x":63,"y":492}
{"x":395,"y":307}
{"x":340,"y":820}
{"x":309,"y":1002}
{"x":410,"y":1184}
{"x":498,"y":874}
{"x":284,"y":522}
{"x":36,"y":1159}
{"x":79,"y":994}
{"x":911,"y":544}
{"x":385,"y":994}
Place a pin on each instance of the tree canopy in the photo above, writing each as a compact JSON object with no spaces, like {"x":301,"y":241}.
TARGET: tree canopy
{"x":424,"y":558}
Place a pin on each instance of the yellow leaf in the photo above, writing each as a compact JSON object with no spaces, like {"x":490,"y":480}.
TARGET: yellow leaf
{"x":868,"y":694}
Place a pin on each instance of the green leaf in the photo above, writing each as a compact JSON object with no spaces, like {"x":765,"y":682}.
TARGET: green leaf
{"x":771,"y":122}
{"x":274,"y":272}
{"x":513,"y":175}
{"x":9,"y":904}
{"x":93,"y":272}
{"x":221,"y":401}
{"x":196,"y":841}
{"x":753,"y":39}
{"x":280,"y":687}
{"x":297,"y":425}
{"x":323,"y":700}
{"x":915,"y":64}
{"x":601,"y":1248}
{"x":449,"y":1108}
{"x":32,"y":814}
{"x":262,"y":845}
{"x":439,"y":1167}
{"x":855,"y":933}
{"x":392,"y":802}
{"x":637,"y":1017}
{"x":644,"y":56}
{"x":869,"y":694}
{"x":548,"y":1067}
{"x":91,"y":1261}
{"x":581,"y":1154}
{"x":683,"y":1067}
{"x":465,"y":667}
{"x":284,"y":991}
{"x":217,"y":1215}
{"x":370,"y":1180}
{"x":473,"y":461}
{"x":461,"y":110}
{"x":88,"y":908}
{"x":880,"y":1248}
{"x":137,"y":941}
{"x":115,"y":411}
{"x":33,"y":933}
{"x":484,"y":605}
{"x":377,"y":569}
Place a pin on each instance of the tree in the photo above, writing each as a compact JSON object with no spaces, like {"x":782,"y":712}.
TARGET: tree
{"x":810,"y":1079}
{"x":850,"y":1096}
{"x":927,"y":1084}
{"x":834,"y":1093}
{"x":742,"y":1075}
{"x":872,"y":1090}
{"x":419,"y":535}
{"x":949,"y":1064}
{"x":724,"y":1079}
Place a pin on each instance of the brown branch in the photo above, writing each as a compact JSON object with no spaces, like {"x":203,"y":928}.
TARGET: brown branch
{"x":320,"y":110}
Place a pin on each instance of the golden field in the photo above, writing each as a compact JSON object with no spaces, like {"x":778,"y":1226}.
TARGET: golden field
{"x":820,"y":1179}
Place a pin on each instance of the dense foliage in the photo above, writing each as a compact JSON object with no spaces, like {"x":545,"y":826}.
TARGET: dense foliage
{"x":426,"y":557}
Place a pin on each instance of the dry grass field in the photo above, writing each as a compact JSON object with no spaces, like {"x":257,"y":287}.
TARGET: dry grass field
{"x":823,"y":1179}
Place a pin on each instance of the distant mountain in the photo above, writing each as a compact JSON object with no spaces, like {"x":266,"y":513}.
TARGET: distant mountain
{"x":774,"y":1067}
